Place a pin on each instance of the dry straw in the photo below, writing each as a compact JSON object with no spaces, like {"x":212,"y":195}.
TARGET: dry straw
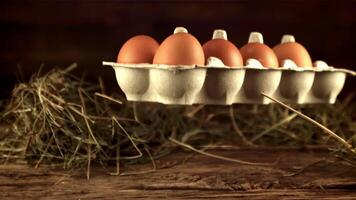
{"x":60,"y":119}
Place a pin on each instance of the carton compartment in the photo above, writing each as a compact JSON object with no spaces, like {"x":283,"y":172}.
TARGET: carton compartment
{"x":176,"y":86}
{"x":295,"y":86}
{"x":188,"y":85}
{"x":134,"y":82}
{"x":327,"y":85}
{"x":259,"y":81}
{"x":221,"y":86}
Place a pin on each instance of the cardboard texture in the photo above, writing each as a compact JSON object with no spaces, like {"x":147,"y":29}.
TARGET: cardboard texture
{"x":221,"y":85}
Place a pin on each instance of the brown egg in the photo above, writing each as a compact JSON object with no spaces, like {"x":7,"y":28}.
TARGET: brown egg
{"x":181,"y":48}
{"x":223,"y":49}
{"x":138,"y":49}
{"x":259,"y":51}
{"x":289,"y":49}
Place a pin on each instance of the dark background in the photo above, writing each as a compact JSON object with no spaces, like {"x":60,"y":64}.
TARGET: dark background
{"x":58,"y":33}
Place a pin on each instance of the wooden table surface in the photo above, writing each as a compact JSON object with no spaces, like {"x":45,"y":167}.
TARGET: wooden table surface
{"x":187,"y":175}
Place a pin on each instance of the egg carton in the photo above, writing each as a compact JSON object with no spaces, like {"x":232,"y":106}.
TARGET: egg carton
{"x":221,"y":85}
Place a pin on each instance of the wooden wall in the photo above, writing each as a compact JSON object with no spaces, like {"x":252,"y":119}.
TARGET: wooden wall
{"x":57,"y":33}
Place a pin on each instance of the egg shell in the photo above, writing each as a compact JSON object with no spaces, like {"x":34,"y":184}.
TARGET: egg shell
{"x":293,"y":51}
{"x":224,"y":50}
{"x":180,"y":49}
{"x":138,"y":49}
{"x":260,"y":52}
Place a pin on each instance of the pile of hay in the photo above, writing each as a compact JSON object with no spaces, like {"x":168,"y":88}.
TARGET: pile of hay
{"x":58,"y":118}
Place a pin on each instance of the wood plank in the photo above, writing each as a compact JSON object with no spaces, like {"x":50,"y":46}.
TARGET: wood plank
{"x":198,"y":177}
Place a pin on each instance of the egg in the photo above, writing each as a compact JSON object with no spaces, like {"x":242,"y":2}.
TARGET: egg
{"x":181,"y":48}
{"x":289,"y":49}
{"x":223,"y":49}
{"x":257,"y":50}
{"x":138,"y":49}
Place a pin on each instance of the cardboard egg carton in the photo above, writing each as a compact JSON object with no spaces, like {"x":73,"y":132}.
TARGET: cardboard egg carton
{"x":221,"y":85}
{"x":215,"y":83}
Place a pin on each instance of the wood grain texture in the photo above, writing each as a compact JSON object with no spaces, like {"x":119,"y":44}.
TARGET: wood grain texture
{"x":197,"y":177}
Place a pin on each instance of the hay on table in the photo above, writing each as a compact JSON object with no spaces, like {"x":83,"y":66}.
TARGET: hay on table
{"x":58,"y":118}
